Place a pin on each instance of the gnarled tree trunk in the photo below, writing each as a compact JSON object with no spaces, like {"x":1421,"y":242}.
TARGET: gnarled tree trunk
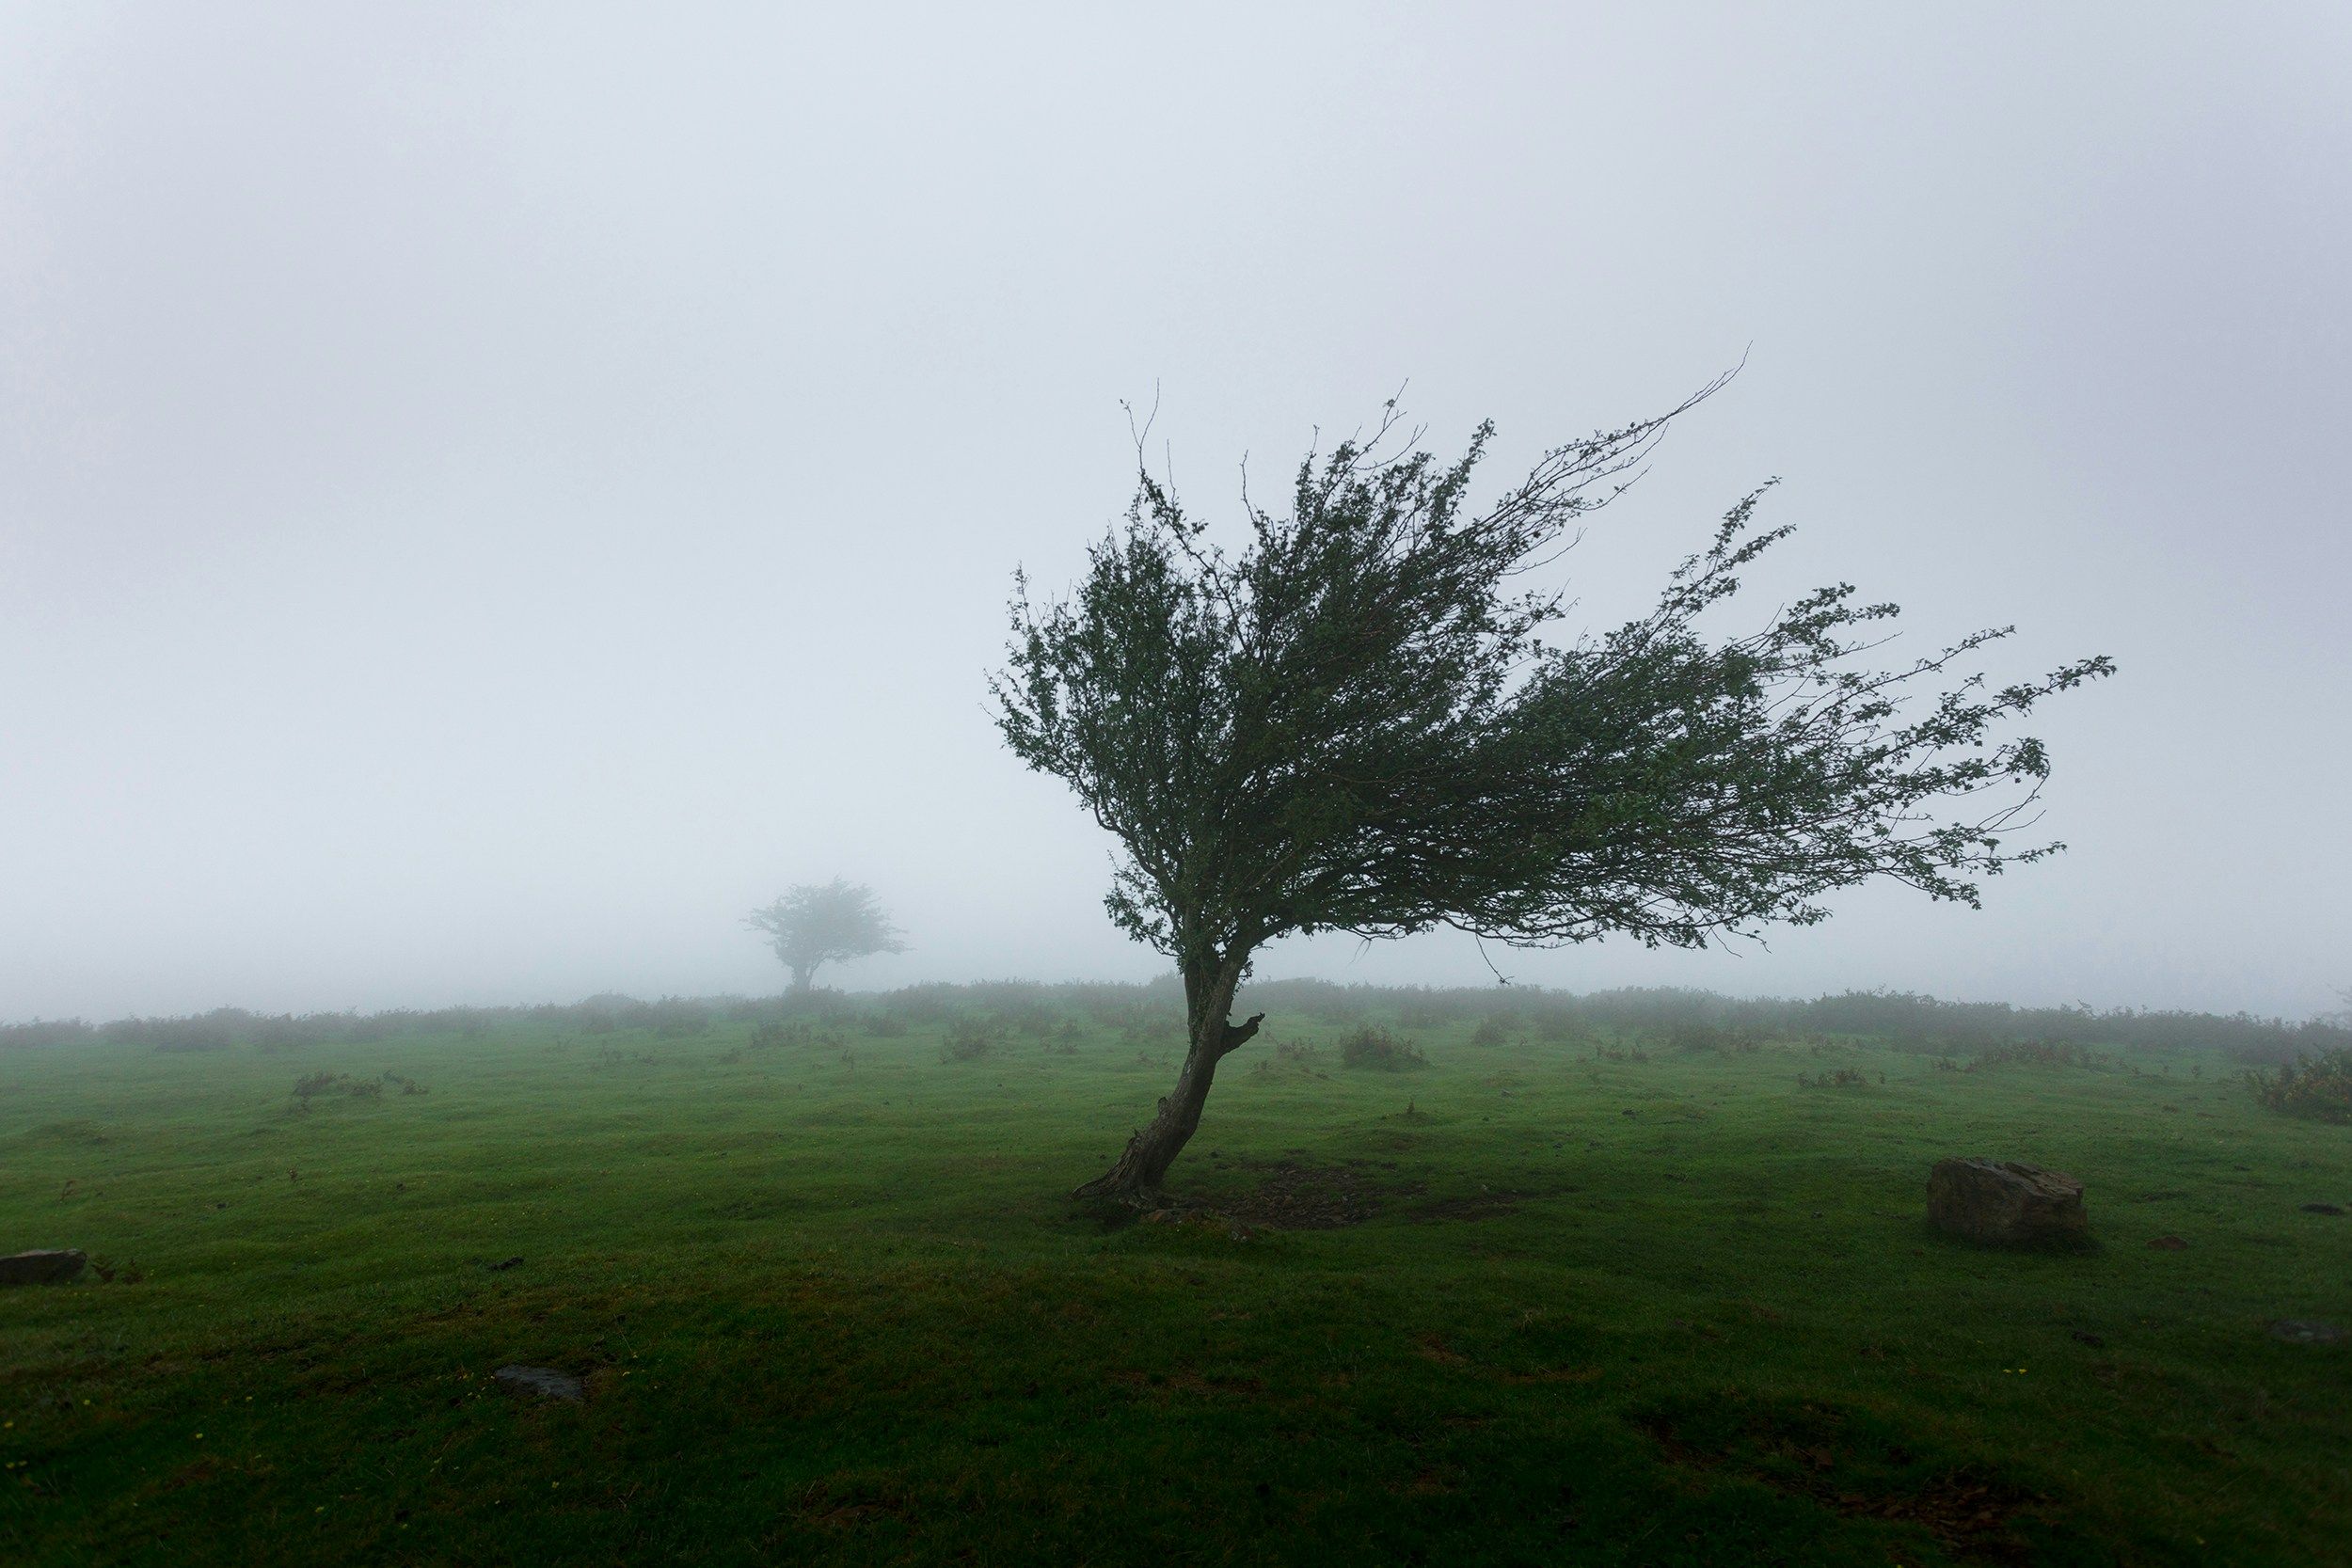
{"x":1208,"y":1008}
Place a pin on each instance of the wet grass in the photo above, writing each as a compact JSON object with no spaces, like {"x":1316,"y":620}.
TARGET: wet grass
{"x":1577,"y":1300}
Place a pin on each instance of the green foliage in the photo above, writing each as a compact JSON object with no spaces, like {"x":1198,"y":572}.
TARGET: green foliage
{"x":311,"y":1086}
{"x":817,"y":924}
{"x":1375,"y":1048}
{"x":1683,"y":1018}
{"x":971,"y":1039}
{"x":2316,"y":1087}
{"x":2039,"y":1054}
{"x":776,"y":1034}
{"x":1356,"y":722}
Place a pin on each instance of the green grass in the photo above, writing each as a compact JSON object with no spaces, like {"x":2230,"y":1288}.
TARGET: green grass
{"x":837,"y":1309}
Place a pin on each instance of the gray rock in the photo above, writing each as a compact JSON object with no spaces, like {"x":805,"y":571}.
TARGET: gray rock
{"x":544,"y":1381}
{"x":2305,"y":1331}
{"x":41,"y":1268}
{"x":2003,"y":1203}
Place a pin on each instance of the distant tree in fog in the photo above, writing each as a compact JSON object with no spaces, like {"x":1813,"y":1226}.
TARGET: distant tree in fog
{"x":815,"y":924}
{"x":1354,"y":725}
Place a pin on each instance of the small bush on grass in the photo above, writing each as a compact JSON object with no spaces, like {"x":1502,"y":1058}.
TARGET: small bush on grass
{"x":969,"y":1039}
{"x":1375,"y":1048}
{"x":674,"y":1018}
{"x":2038,"y":1053}
{"x":2318,"y":1086}
{"x":1495,"y":1029}
{"x":310,"y":1086}
{"x":1696,"y":1036}
{"x":1844,"y":1078}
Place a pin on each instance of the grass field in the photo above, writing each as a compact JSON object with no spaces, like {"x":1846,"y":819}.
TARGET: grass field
{"x":1593,"y":1301}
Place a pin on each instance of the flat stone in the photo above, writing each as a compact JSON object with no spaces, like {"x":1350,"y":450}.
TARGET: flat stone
{"x":544,"y":1381}
{"x":2305,"y":1331}
{"x":48,"y":1267}
{"x":2005,"y":1203}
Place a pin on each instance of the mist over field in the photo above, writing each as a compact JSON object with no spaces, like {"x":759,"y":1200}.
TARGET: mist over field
{"x":1280,"y":785}
{"x":487,"y":497}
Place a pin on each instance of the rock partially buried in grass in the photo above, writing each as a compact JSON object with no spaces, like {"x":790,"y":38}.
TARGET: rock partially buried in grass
{"x":2003,"y":1203}
{"x":51,"y":1267}
{"x":2166,"y":1244}
{"x":2305,"y":1331}
{"x":544,"y":1381}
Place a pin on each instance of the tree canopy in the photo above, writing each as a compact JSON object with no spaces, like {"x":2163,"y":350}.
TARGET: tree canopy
{"x":817,"y":923}
{"x":1357,"y":720}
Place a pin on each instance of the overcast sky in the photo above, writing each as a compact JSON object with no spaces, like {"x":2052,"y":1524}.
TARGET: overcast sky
{"x":489,"y":494}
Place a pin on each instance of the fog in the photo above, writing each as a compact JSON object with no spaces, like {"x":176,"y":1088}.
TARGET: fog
{"x":487,"y":499}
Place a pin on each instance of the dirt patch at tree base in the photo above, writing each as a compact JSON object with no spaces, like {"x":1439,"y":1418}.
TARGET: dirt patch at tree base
{"x":1296,"y":1194}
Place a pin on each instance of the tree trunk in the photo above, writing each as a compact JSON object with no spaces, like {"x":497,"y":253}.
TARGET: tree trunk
{"x":1136,"y":1176}
{"x":803,"y":974}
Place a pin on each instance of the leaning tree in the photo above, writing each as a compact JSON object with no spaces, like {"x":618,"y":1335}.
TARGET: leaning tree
{"x":1353,"y":721}
{"x":820,"y":923}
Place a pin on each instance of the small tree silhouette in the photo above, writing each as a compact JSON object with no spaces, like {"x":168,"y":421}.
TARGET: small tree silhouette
{"x":814,"y":924}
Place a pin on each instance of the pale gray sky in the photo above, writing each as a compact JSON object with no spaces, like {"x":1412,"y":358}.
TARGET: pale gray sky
{"x":488,"y":494}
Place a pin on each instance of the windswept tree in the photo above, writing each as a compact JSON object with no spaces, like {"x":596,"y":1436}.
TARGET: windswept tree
{"x":1354,"y":721}
{"x":816,"y":924}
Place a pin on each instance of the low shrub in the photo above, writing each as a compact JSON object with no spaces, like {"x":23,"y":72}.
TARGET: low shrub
{"x":970,"y":1039}
{"x":800,"y":1032}
{"x":2038,"y":1053}
{"x":1494,"y":1030}
{"x":45,"y":1032}
{"x":2318,"y":1086}
{"x":674,"y":1018}
{"x":1844,"y":1078}
{"x":1375,"y":1048}
{"x":310,"y":1086}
